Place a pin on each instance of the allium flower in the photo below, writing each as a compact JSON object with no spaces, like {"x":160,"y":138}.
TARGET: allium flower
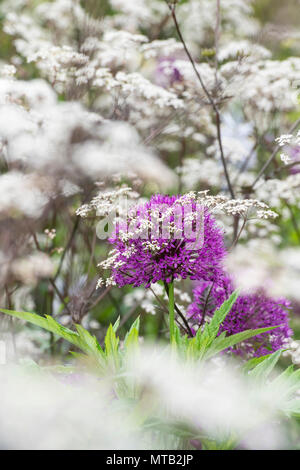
{"x":250,"y":311}
{"x":157,"y":243}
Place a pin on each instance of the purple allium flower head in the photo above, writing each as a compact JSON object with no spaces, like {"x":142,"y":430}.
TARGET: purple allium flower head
{"x":250,"y":311}
{"x":143,"y":258}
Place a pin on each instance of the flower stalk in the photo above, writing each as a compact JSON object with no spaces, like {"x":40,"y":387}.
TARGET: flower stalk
{"x":171,"y":311}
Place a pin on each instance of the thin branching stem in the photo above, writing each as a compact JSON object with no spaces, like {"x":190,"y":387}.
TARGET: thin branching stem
{"x":209,"y":97}
{"x":273,"y":155}
{"x":171,"y":311}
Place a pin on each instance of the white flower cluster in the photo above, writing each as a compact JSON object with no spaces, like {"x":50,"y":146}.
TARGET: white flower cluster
{"x":276,"y":191}
{"x":135,"y":83}
{"x":22,"y":195}
{"x":58,"y":64}
{"x":292,"y":350}
{"x":245,"y":208}
{"x":259,"y":263}
{"x":264,"y":86}
{"x":105,"y":201}
{"x":198,"y":18}
{"x":30,"y":269}
{"x":240,"y":49}
{"x":35,"y":128}
{"x":146,"y":299}
{"x":288,"y":139}
{"x":7,"y":71}
{"x":161,"y":48}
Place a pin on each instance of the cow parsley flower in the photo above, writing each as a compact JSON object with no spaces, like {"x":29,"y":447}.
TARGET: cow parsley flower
{"x":167,"y":238}
{"x":251,"y":311}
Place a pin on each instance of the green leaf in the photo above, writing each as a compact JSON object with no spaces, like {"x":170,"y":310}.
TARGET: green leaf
{"x":262,"y":370}
{"x":221,"y":342}
{"x":111,"y":343}
{"x":90,"y":342}
{"x":253,"y":362}
{"x":116,"y":324}
{"x":220,"y":315}
{"x":289,"y":380}
{"x":49,"y":324}
{"x":181,"y":341}
{"x":82,"y":339}
{"x":293,"y":408}
{"x":131,"y":340}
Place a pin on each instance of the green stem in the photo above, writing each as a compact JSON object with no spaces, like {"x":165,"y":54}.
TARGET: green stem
{"x":171,"y":311}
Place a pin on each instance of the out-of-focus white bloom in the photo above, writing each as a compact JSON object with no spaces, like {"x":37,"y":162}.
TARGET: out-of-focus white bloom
{"x":86,"y":146}
{"x":120,"y":153}
{"x":30,"y":269}
{"x":145,"y":298}
{"x":215,"y":396}
{"x":21,"y":195}
{"x":59,"y":415}
{"x":7,"y":71}
{"x":259,"y":264}
{"x":197,"y":17}
{"x":285,"y":158}
{"x":161,"y":47}
{"x":274,"y":191}
{"x":237,"y":140}
{"x":292,"y":350}
{"x":204,"y":170}
{"x":36,"y":93}
{"x":67,"y":411}
{"x":61,"y":14}
{"x":135,"y":13}
{"x":243,"y":48}
{"x":206,"y":71}
{"x":135,"y":83}
{"x":263,"y":87}
{"x":14,"y":121}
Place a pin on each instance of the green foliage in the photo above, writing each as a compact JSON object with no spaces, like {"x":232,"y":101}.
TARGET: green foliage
{"x":204,"y":345}
{"x":262,"y":370}
{"x":207,"y":343}
{"x":111,"y":355}
{"x":286,"y":384}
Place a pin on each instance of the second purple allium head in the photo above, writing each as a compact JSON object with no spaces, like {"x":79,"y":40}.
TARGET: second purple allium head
{"x":250,"y":311}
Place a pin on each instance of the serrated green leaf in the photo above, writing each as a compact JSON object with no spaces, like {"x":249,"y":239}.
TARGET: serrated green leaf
{"x":131,"y":341}
{"x":222,"y":343}
{"x":293,"y":408}
{"x":111,"y":345}
{"x":253,"y":362}
{"x":116,"y":324}
{"x":48,"y":323}
{"x":220,"y":314}
{"x":90,"y":342}
{"x":82,"y":339}
{"x":289,"y":380}
{"x":135,"y":326}
{"x":262,"y":370}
